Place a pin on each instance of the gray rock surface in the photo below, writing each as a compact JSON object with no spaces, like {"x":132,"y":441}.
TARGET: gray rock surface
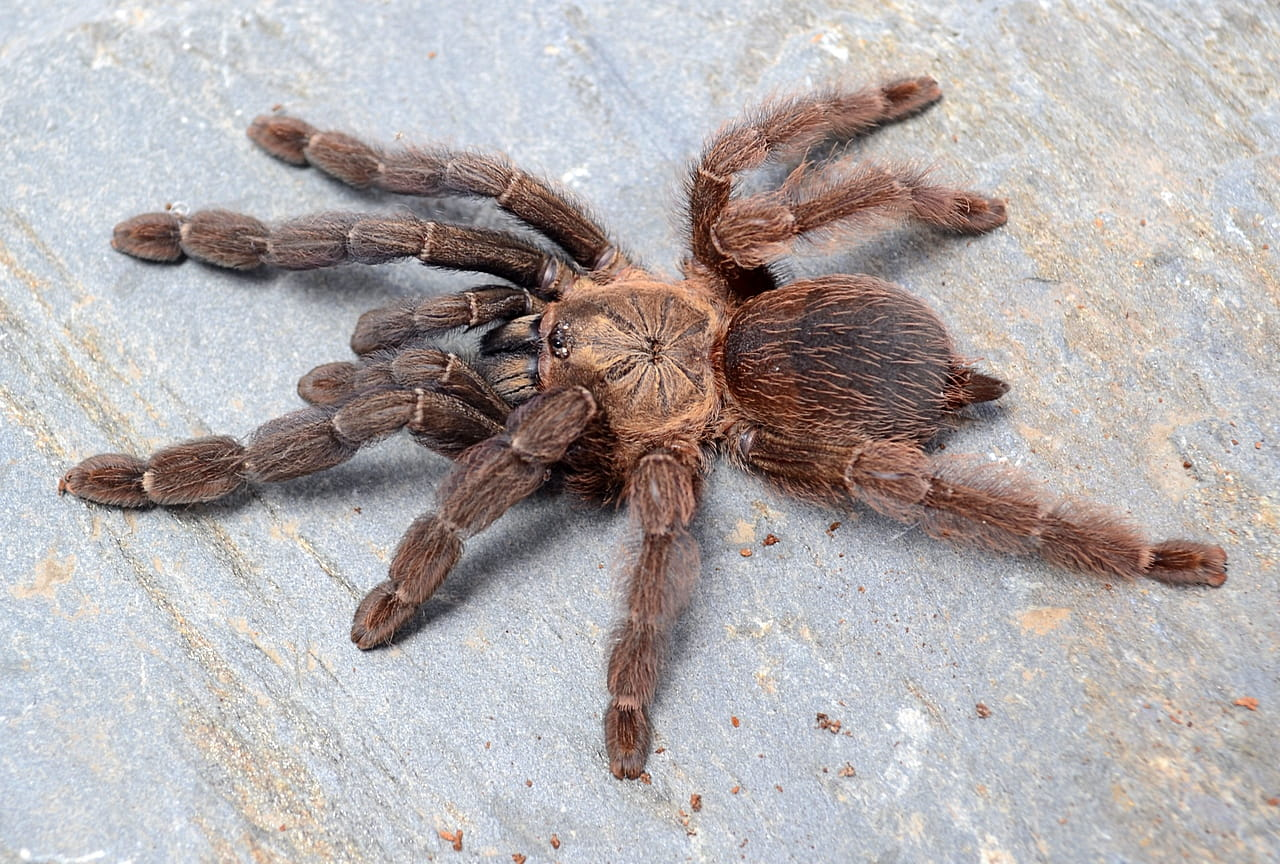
{"x":179,"y":686}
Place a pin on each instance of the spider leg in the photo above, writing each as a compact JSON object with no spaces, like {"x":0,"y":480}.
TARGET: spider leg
{"x":662,"y":495}
{"x":753,"y":231}
{"x":436,"y":172}
{"x":457,"y":406}
{"x":446,"y":407}
{"x":983,"y":504}
{"x":241,"y":242}
{"x":490,"y":478}
{"x":505,"y":371}
{"x":394,"y":325}
{"x":789,"y":126}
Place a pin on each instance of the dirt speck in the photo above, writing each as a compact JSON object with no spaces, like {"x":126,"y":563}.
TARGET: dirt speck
{"x":1043,"y":620}
{"x":51,"y":572}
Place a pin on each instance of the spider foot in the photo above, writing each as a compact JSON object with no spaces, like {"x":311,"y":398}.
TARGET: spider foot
{"x":283,"y":137}
{"x":218,"y":237}
{"x":626,"y":737}
{"x":379,"y":616}
{"x":189,"y":472}
{"x":976,"y":214}
{"x":910,"y":95}
{"x":329,"y":383}
{"x":1182,"y":562}
{"x":108,"y":478}
{"x":151,"y":237}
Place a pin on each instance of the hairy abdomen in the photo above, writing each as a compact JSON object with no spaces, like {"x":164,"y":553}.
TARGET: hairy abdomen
{"x":841,"y":358}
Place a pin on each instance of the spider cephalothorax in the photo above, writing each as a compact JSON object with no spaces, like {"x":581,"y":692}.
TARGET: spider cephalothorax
{"x":624,"y":383}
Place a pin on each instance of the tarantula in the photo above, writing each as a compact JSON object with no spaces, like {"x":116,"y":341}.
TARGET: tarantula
{"x":625,"y":384}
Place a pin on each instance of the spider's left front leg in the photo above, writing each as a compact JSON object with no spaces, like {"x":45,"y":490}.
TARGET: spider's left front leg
{"x":438,"y":171}
{"x":490,"y":478}
{"x":662,"y":495}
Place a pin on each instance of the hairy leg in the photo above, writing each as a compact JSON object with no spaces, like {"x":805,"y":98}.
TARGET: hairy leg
{"x":489,"y":479}
{"x":409,"y":368}
{"x":967,"y":501}
{"x":787,"y":127}
{"x":392,"y":326}
{"x":242,"y":242}
{"x":753,"y":231}
{"x":662,"y":495}
{"x":444,"y":404}
{"x":436,"y":172}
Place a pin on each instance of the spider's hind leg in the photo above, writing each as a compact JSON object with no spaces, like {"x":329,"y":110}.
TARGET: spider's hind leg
{"x":981,"y":504}
{"x":788,"y":126}
{"x":756,"y":230}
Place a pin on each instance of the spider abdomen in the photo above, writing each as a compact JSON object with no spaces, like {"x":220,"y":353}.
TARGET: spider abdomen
{"x":841,"y":357}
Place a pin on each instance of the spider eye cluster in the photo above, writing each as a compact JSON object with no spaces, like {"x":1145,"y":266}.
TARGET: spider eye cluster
{"x":558,"y":340}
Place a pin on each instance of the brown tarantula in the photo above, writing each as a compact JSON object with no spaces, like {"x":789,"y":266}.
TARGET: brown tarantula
{"x":625,"y":384}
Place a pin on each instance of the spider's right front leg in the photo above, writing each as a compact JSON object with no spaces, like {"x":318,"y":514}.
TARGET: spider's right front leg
{"x":490,"y":478}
